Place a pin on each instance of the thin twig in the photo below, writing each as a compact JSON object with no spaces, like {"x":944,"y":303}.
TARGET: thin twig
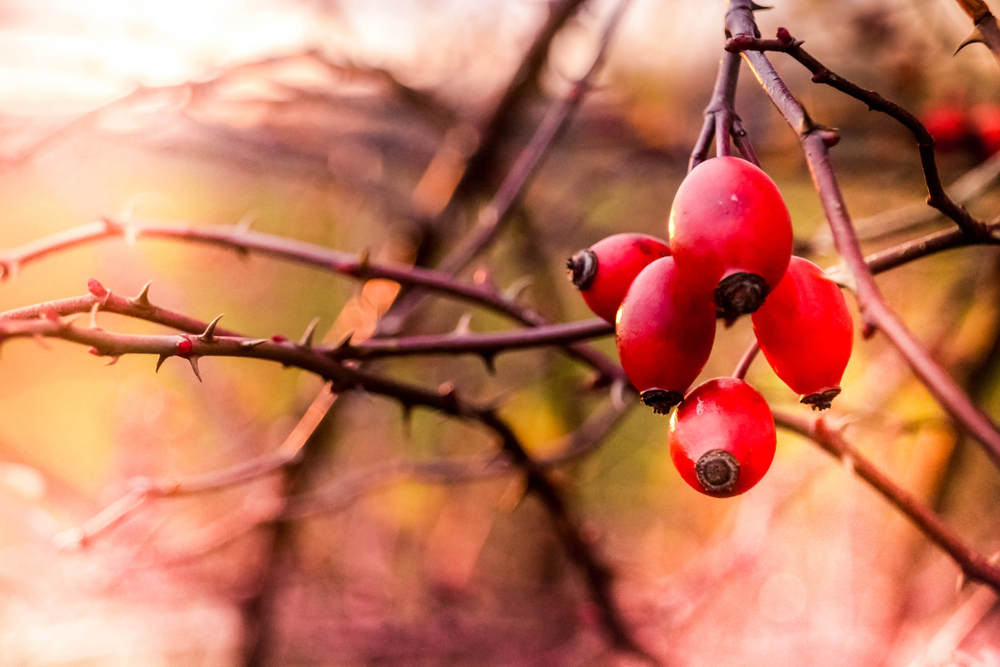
{"x":521,"y":84}
{"x":937,"y":197}
{"x":721,"y":119}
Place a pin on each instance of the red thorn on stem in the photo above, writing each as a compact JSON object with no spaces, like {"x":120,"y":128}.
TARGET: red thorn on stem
{"x":96,"y":288}
{"x":50,"y":313}
{"x":742,"y":42}
{"x":183,"y":347}
{"x":784,"y":36}
{"x":278,"y":338}
{"x":830,"y":138}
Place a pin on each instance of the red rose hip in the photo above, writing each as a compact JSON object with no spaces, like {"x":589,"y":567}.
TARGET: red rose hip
{"x":665,"y":330}
{"x":722,"y":437}
{"x":730,"y":227}
{"x":806,"y":333}
{"x":604,"y":271}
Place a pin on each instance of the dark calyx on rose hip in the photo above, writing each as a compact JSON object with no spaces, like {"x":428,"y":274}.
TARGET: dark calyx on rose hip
{"x":604,"y":271}
{"x":717,"y":471}
{"x":730,"y":228}
{"x":722,"y":437}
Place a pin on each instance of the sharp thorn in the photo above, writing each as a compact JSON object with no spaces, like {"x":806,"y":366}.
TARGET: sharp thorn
{"x":344,"y":342}
{"x":113,"y":360}
{"x":841,"y":275}
{"x":160,"y":360}
{"x":130,"y":233}
{"x":93,"y":316}
{"x":249,"y":344}
{"x":364,"y":259}
{"x":518,"y":287}
{"x":38,"y":338}
{"x":462,"y":328}
{"x":975,"y":37}
{"x":307,"y":337}
{"x":142,"y":299}
{"x":193,"y":360}
{"x":618,"y":395}
{"x":246,"y":222}
{"x":208,"y":335}
{"x":759,"y":8}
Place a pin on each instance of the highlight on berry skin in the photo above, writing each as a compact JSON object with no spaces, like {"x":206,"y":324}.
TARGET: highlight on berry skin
{"x":806,"y":333}
{"x":604,"y":271}
{"x":730,"y":228}
{"x":722,"y":437}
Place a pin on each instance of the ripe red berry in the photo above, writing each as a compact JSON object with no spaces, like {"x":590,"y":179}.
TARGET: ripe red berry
{"x":604,"y":271}
{"x":665,"y":331}
{"x":806,"y":333}
{"x":722,"y":437}
{"x":730,"y":227}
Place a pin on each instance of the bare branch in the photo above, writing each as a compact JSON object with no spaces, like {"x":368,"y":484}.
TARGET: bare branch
{"x":974,"y":566}
{"x":936,"y":197}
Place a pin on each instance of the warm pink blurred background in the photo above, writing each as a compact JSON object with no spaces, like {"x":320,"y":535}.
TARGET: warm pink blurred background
{"x":810,"y":568}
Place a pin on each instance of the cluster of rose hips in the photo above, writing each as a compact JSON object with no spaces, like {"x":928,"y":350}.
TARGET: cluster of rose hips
{"x":728,"y":253}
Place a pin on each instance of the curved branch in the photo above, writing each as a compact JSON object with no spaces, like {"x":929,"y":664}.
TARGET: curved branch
{"x":937,"y":197}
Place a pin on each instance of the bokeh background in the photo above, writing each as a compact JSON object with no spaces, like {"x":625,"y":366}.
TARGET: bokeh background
{"x":289,"y":113}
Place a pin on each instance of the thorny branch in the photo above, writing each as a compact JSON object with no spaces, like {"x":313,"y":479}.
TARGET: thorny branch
{"x":937,"y":197}
{"x":327,"y":361}
{"x":343,"y":377}
{"x":246,"y":241}
{"x":974,"y":566}
{"x":877,"y":314}
{"x":486,"y":345}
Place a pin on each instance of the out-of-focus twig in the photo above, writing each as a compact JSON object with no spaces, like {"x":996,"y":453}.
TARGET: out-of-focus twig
{"x":485,"y":157}
{"x":492,"y":219}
